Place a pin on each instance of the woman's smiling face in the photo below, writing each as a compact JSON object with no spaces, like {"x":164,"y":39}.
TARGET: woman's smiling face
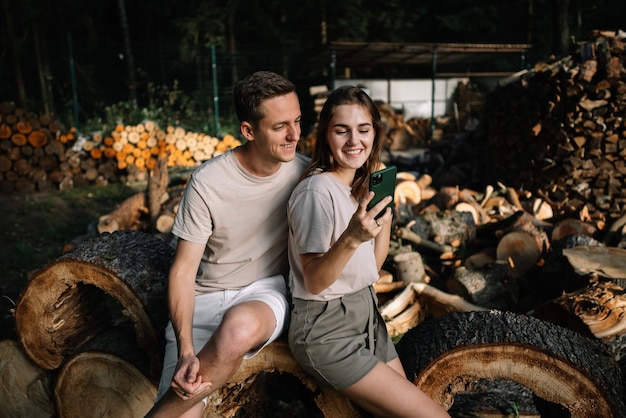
{"x":350,"y":136}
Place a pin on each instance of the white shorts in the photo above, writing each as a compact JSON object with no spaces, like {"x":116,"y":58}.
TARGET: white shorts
{"x":209,"y":311}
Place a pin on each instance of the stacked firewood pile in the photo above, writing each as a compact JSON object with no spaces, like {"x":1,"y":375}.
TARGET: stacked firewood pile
{"x":559,"y":131}
{"x":37,"y":153}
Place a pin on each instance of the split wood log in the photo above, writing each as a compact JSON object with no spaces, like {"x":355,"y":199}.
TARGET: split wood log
{"x":447,"y":355}
{"x":24,"y":387}
{"x":407,"y":234}
{"x":275,"y":358}
{"x":101,"y":384}
{"x":409,"y":267}
{"x":417,"y":301}
{"x":130,"y":215}
{"x":157,"y":189}
{"x":440,"y":303}
{"x":490,"y":286}
{"x":520,"y":251}
{"x":407,"y":192}
{"x":569,"y":226}
{"x":600,"y":308}
{"x":403,"y":312}
{"x":386,"y":283}
{"x":447,"y":228}
{"x":565,"y":132}
{"x":63,"y":305}
{"x":598,"y":260}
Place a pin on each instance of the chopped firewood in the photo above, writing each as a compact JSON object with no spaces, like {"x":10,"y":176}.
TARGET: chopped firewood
{"x":468,"y":198}
{"x":478,"y":260}
{"x":406,"y":320}
{"x":541,"y":209}
{"x":407,"y":191}
{"x":568,"y":227}
{"x":129,"y":216}
{"x":399,"y":303}
{"x":386,"y":283}
{"x":600,"y":306}
{"x":424,"y":181}
{"x":520,"y":249}
{"x":491,"y":286}
{"x":23,"y":386}
{"x":104,"y":385}
{"x":157,"y":189}
{"x":409,"y":267}
{"x":406,"y":233}
{"x":440,"y":302}
{"x":608,"y":262}
{"x":466,"y":207}
{"x":488,"y":191}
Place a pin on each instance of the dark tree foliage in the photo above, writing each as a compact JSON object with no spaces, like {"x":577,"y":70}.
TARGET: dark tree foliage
{"x":172,"y":41}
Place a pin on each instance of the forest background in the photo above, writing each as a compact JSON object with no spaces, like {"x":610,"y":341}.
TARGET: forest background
{"x":94,"y":64}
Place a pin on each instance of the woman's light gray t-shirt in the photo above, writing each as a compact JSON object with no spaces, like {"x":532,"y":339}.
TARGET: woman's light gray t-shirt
{"x":319,"y":211}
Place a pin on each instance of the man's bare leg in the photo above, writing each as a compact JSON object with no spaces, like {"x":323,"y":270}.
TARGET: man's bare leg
{"x":244,"y":328}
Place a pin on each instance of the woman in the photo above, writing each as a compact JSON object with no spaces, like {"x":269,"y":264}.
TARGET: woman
{"x":336,"y":248}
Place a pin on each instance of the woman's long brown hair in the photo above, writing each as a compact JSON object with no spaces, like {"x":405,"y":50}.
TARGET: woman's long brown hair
{"x":322,"y":159}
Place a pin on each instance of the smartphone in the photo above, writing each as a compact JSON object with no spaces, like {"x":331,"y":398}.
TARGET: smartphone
{"x":382,"y":183}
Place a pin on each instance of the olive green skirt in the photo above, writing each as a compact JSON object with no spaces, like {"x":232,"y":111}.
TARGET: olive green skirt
{"x":339,"y":341}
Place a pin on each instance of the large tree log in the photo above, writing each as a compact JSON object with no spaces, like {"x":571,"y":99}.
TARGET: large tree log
{"x":132,"y":214}
{"x":275,"y":358}
{"x":100,"y":384}
{"x":24,"y":388}
{"x":64,"y":305}
{"x":446,"y":355}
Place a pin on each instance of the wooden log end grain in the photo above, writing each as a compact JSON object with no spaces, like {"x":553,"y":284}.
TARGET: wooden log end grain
{"x":23,"y":386}
{"x":62,"y":305}
{"x":445,"y":355}
{"x":102,"y":385}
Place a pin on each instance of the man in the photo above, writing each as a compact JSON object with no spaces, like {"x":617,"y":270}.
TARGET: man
{"x":227,"y":287}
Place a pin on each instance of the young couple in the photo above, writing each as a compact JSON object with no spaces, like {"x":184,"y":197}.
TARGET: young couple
{"x":227,"y":291}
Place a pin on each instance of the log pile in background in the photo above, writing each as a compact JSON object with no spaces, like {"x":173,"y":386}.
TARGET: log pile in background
{"x":559,"y":130}
{"x":37,"y":153}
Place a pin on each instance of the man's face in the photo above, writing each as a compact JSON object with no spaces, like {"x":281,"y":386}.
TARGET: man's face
{"x":278,"y":132}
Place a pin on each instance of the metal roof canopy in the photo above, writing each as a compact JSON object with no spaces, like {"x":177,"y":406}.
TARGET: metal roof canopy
{"x":424,"y":55}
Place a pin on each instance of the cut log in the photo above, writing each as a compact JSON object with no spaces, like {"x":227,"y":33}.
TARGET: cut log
{"x":600,"y":307}
{"x":63,"y":305}
{"x":157,"y":190}
{"x":102,"y":385}
{"x":409,"y":267}
{"x":24,"y":387}
{"x":130,"y":215}
{"x":608,"y":262}
{"x":447,"y":355}
{"x":490,"y":286}
{"x":520,"y":250}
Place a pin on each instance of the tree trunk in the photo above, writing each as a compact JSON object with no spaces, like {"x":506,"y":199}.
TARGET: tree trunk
{"x":100,"y":384}
{"x":230,"y":399}
{"x":128,"y":52}
{"x":24,"y":388}
{"x":447,"y":355}
{"x":14,"y":47}
{"x":64,"y":306}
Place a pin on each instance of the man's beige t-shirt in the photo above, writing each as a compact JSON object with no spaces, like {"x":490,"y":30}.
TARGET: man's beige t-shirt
{"x":240,"y":217}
